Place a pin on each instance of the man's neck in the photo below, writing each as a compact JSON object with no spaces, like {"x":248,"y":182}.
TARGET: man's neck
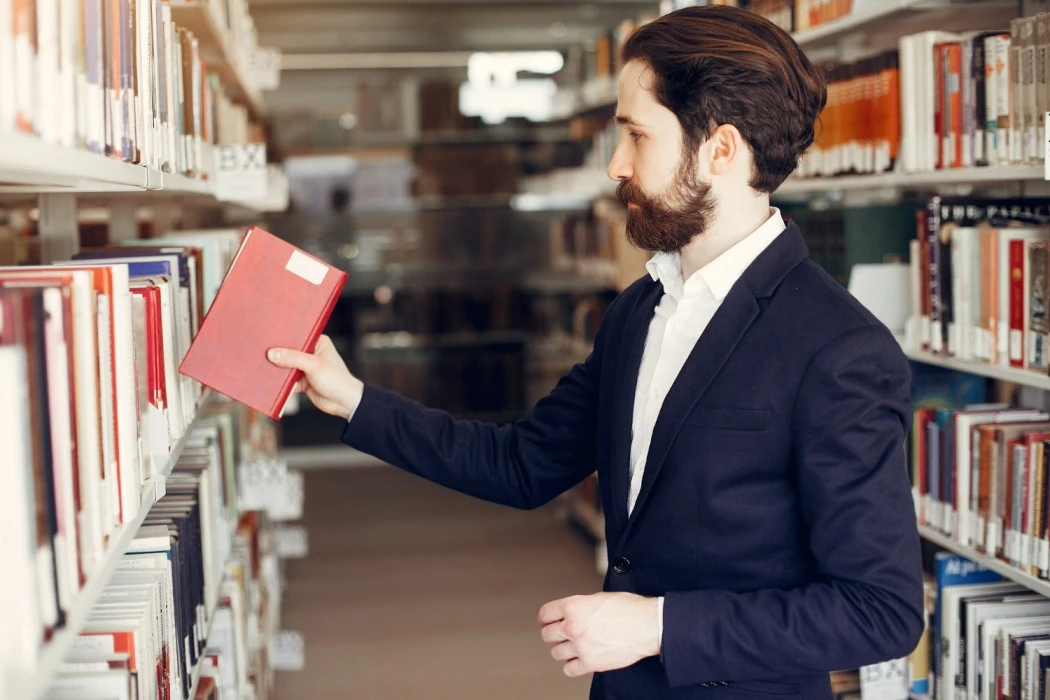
{"x":733,"y":222}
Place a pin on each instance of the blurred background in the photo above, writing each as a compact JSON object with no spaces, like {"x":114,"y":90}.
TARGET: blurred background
{"x":450,"y":156}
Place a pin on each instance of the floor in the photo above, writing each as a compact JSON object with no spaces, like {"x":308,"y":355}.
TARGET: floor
{"x":411,"y":591}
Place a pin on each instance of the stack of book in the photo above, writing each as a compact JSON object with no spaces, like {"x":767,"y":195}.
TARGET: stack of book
{"x":979,"y":281}
{"x":116,"y":77}
{"x":92,"y":347}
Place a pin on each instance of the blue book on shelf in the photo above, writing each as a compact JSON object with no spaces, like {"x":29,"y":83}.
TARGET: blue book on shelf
{"x":953,"y":570}
{"x":939,"y":387}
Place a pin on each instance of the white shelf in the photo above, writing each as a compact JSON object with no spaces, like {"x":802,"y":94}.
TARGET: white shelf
{"x":57,"y":649}
{"x":1027,"y":580}
{"x":954,"y":176}
{"x":28,"y":164}
{"x":1024,"y":377}
{"x":868,"y":12}
{"x":219,"y":55}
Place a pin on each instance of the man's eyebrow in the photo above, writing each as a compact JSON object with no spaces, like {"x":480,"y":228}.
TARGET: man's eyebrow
{"x":624,"y":120}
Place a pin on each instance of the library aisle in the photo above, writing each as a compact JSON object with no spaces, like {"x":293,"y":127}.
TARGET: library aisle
{"x":413,"y":591}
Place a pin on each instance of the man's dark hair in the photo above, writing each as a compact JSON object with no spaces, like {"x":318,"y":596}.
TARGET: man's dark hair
{"x":717,"y":65}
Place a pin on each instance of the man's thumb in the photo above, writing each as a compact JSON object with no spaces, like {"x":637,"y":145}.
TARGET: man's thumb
{"x":289,"y":359}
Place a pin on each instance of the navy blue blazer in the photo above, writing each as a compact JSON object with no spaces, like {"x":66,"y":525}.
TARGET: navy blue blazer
{"x":775,"y":511}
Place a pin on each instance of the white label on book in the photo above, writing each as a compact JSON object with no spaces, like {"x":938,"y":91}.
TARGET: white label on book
{"x":304,"y":266}
{"x":1016,"y":347}
{"x":288,"y":651}
{"x":885,"y":681}
{"x":292,"y":542}
{"x":93,"y":645}
{"x":1044,"y":554}
{"x":1010,"y":544}
{"x":992,"y":545}
{"x":1026,"y":550}
{"x":1046,"y":146}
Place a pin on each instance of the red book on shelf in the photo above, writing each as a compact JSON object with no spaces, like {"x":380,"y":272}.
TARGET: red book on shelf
{"x":274,"y":295}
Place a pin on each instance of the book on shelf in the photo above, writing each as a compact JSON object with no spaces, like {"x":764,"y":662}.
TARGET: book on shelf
{"x":274,"y":295}
{"x":178,"y":608}
{"x":90,"y":345}
{"x":119,"y":78}
{"x":945,"y":100}
{"x":979,"y":270}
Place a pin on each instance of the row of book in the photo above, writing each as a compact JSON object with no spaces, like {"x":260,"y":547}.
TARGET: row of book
{"x":188,"y":615}
{"x":979,"y":281}
{"x":92,"y":347}
{"x":166,"y":586}
{"x":116,"y":77}
{"x":986,"y":638}
{"x":979,"y":475}
{"x":941,"y":101}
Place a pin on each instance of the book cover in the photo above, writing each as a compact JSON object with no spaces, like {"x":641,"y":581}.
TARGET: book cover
{"x":274,"y":295}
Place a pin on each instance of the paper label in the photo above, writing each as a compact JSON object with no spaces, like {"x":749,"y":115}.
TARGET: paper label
{"x":288,"y":651}
{"x":93,"y":645}
{"x":992,"y":545}
{"x":1044,"y":555}
{"x":302,"y":265}
{"x":292,"y":542}
{"x":1015,"y":345}
{"x":885,"y":681}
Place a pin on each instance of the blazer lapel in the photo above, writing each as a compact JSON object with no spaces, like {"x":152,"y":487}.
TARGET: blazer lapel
{"x":636,"y":331}
{"x":721,"y":337}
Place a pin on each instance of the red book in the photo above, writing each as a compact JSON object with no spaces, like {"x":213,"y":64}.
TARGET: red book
{"x":274,"y":295}
{"x":1017,"y":287}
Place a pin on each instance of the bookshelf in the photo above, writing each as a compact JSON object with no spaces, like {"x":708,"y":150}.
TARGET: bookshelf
{"x":952,"y":176}
{"x":58,"y":647}
{"x":1027,"y":580}
{"x":217,"y":46}
{"x":866,"y":15}
{"x":1023,"y":377}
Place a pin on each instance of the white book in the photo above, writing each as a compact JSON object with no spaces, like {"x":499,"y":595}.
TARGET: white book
{"x":133,"y":620}
{"x":952,"y":627}
{"x":113,"y":684}
{"x":68,"y":56}
{"x":172,"y":69}
{"x":59,"y":382}
{"x":1003,"y":89}
{"x":23,"y":633}
{"x":144,"y":95}
{"x":1017,"y":93}
{"x":992,"y":632}
{"x":1031,"y":148}
{"x":47,"y":25}
{"x":87,"y":403}
{"x":927,"y":95}
{"x":26,"y":75}
{"x":110,"y":486}
{"x":123,"y":382}
{"x":160,"y":565}
{"x":7,"y":67}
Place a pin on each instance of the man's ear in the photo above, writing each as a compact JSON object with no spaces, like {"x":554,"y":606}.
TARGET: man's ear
{"x":725,"y":146}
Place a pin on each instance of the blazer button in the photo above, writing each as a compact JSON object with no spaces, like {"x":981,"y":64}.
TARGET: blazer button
{"x":622,"y":565}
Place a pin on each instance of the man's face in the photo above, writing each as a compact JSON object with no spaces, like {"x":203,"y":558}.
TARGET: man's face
{"x":667,"y":203}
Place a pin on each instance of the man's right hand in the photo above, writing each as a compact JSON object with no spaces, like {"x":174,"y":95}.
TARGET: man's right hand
{"x":326,"y":380}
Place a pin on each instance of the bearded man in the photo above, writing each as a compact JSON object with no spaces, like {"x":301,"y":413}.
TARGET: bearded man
{"x":745,"y":415}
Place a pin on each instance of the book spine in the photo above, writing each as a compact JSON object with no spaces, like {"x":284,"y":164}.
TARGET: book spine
{"x":1017,"y":286}
{"x":1038,"y":327}
{"x":1003,"y":73}
{"x":1017,"y":93}
{"x":955,"y":131}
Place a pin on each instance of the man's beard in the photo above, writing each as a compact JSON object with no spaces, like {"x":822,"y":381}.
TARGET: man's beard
{"x":668,"y":223}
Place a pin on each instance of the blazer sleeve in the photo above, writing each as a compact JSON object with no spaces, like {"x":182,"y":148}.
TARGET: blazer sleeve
{"x":850,"y":421}
{"x":524,"y":464}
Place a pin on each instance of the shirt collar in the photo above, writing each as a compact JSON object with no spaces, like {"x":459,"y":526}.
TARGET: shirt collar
{"x":720,"y":274}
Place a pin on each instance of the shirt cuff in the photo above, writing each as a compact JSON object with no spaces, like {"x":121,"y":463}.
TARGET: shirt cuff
{"x":660,"y":620}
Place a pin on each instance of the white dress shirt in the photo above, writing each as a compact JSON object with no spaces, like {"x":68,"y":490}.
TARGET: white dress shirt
{"x":684,"y":311}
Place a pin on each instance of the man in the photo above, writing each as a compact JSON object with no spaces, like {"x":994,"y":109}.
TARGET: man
{"x":745,"y":415}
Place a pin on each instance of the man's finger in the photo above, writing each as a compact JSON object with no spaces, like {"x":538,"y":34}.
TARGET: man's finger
{"x":553,"y":633}
{"x":291,"y":359}
{"x":575,"y":668}
{"x":552,"y":612}
{"x":563,"y":652}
